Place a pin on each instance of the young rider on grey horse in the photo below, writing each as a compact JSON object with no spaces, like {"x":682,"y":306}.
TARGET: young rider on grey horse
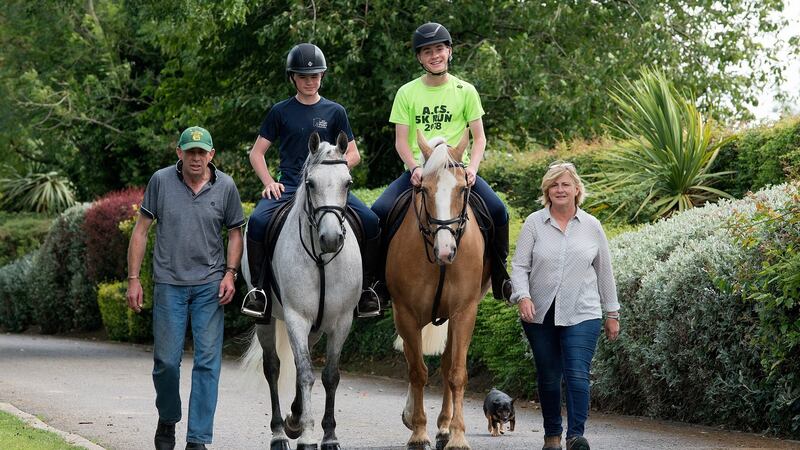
{"x":291,"y":122}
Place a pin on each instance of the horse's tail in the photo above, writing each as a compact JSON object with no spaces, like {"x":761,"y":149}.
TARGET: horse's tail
{"x":434,"y":339}
{"x":253,"y":367}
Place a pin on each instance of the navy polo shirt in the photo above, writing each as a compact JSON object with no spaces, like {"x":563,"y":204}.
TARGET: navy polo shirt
{"x":189,"y":249}
{"x":291,"y":123}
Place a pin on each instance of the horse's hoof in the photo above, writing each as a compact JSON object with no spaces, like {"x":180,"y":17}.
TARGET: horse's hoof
{"x":331,"y":446}
{"x":282,"y":444}
{"x":292,"y":429}
{"x":405,"y":422}
{"x":306,"y":446}
{"x":418,"y":446}
{"x":441,"y":440}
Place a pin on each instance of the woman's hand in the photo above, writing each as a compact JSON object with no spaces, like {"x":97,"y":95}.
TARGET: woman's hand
{"x":526,"y":310}
{"x":612,"y":329}
{"x":273,"y":190}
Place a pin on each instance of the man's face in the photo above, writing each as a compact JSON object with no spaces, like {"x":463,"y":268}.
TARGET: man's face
{"x":434,"y":57}
{"x":195,"y":160}
{"x":307,"y":83}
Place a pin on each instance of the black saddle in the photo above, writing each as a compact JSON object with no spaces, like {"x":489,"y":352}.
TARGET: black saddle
{"x":274,"y":227}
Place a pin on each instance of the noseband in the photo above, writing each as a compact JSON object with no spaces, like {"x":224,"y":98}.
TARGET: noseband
{"x":459,"y":221}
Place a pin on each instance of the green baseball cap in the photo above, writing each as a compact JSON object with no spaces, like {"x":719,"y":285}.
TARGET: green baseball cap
{"x":196,"y":137}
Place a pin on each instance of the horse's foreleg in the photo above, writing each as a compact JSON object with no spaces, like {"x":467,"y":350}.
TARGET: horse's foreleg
{"x":461,"y":326}
{"x":446,"y":414}
{"x":418,"y":378}
{"x":301,"y":419}
{"x":330,"y":379}
{"x":271,"y":365}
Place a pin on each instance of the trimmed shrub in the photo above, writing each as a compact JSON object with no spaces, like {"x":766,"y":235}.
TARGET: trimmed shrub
{"x":16,"y":309}
{"x":761,"y":157}
{"x":64,"y":299}
{"x":691,"y":347}
{"x":114,"y":309}
{"x":21,"y":233}
{"x":106,"y":245}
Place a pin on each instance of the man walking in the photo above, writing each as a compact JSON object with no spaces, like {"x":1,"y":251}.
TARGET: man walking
{"x":190,"y":202}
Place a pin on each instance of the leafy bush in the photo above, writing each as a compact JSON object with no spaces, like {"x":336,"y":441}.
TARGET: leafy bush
{"x":691,"y":347}
{"x":761,"y":157}
{"x":64,"y":299}
{"x":16,"y":308}
{"x":114,"y":309}
{"x":106,"y":245}
{"x":21,"y":233}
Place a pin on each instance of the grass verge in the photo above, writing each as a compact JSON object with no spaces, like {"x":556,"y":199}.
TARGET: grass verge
{"x":16,"y":434}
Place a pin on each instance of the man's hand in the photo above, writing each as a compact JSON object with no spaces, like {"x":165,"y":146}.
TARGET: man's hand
{"x":134,"y":295}
{"x":273,"y":190}
{"x":226,"y":289}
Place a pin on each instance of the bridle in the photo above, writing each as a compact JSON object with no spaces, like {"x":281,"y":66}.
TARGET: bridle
{"x":455,"y":225}
{"x":314,"y":216}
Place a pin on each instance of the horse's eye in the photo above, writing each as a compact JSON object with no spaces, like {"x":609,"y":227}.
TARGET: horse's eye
{"x":349,"y":183}
{"x":310,"y":184}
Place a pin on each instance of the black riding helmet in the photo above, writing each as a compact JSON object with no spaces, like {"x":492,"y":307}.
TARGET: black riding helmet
{"x":305,"y":58}
{"x":430,"y":33}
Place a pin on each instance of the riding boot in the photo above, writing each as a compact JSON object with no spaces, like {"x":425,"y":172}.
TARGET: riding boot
{"x":373,"y":294}
{"x":255,"y":302}
{"x":501,"y":282}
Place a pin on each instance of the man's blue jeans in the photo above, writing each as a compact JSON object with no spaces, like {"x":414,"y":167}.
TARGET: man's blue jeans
{"x":563,"y":352}
{"x":173,"y":306}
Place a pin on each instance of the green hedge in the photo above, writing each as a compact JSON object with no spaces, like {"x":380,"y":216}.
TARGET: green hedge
{"x":761,"y":156}
{"x":16,"y":300}
{"x":63,"y":297}
{"x":21,"y":233}
{"x":695,"y":346}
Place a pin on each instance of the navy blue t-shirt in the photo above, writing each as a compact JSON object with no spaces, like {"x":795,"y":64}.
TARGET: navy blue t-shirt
{"x":292,"y":123}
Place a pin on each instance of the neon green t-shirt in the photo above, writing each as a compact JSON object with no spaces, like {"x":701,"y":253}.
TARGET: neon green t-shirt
{"x":437,"y":111}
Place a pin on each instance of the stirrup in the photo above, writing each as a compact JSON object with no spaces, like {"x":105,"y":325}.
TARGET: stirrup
{"x":255,"y":295}
{"x":367,"y":314}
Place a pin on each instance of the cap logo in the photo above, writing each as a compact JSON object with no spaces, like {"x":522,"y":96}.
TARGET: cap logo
{"x":310,"y":64}
{"x":197,"y":135}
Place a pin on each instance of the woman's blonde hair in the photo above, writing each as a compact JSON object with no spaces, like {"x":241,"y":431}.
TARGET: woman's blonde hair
{"x":557,"y":169}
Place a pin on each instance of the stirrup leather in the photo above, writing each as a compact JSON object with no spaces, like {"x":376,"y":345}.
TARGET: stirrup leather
{"x":255,"y":295}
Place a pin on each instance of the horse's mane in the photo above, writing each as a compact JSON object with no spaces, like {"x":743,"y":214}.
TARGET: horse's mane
{"x":440,"y":158}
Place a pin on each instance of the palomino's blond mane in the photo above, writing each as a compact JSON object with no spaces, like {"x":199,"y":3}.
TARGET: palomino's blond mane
{"x":440,"y":158}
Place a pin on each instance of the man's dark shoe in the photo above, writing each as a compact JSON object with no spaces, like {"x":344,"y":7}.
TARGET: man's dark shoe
{"x":369,"y":305}
{"x":195,"y":446}
{"x":165,"y":436}
{"x":577,"y":443}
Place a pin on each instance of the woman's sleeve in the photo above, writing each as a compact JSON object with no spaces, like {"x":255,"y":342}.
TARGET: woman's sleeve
{"x":606,"y":285}
{"x":522,"y":262}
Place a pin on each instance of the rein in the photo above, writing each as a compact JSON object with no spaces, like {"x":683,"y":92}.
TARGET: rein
{"x":311,"y":213}
{"x":428,"y":236}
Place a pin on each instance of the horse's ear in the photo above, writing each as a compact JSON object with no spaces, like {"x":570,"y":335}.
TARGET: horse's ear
{"x":341,"y":142}
{"x":423,"y":145}
{"x":313,"y":142}
{"x":458,"y":150}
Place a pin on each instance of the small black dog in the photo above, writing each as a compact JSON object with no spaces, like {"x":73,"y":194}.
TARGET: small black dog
{"x":499,"y":409}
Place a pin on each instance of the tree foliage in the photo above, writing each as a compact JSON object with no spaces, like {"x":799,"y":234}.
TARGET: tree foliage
{"x":101,"y":88}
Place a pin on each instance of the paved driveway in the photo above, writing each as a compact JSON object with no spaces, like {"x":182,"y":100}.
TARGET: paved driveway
{"x":103,"y":391}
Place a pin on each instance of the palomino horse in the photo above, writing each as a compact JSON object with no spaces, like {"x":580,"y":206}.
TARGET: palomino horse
{"x":422,"y":265}
{"x":316,"y":265}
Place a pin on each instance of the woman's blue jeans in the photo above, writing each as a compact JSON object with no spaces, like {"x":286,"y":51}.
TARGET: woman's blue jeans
{"x":563,"y":353}
{"x":173,"y":307}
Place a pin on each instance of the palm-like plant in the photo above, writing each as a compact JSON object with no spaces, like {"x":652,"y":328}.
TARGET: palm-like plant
{"x":666,"y":149}
{"x":47,"y":192}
